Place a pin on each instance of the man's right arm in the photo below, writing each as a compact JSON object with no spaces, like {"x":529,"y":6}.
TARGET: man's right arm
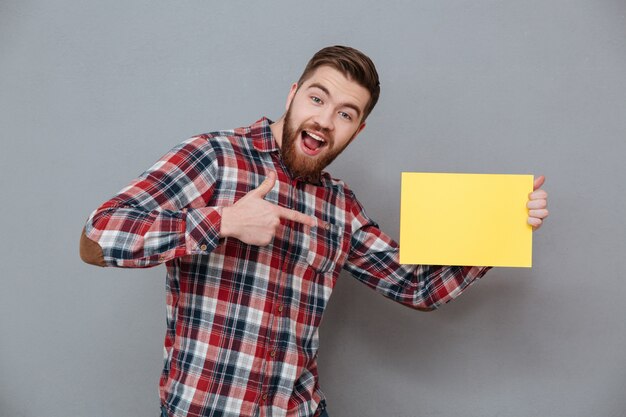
{"x":161,"y":215}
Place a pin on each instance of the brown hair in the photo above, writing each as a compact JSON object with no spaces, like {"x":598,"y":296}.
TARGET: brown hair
{"x":352,"y":63}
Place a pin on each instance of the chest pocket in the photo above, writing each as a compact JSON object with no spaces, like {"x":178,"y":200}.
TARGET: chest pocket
{"x":324,"y":244}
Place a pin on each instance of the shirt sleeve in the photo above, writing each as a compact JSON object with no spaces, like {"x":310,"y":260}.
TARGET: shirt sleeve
{"x":162,"y":214}
{"x":374,"y":260}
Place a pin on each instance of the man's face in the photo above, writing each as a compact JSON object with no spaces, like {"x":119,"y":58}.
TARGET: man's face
{"x":323,"y":116}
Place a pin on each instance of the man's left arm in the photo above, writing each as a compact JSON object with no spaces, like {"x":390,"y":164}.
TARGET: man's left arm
{"x":374,"y":260}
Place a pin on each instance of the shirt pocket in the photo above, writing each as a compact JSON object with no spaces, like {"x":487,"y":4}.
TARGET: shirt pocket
{"x":324,"y":246}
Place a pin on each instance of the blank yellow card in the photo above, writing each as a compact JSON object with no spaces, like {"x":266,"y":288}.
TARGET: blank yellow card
{"x":465,"y":219}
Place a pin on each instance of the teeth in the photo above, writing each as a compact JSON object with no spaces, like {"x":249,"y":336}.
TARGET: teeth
{"x":317,"y":138}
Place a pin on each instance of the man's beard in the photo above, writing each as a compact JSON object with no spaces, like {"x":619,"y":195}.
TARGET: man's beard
{"x":303,"y":166}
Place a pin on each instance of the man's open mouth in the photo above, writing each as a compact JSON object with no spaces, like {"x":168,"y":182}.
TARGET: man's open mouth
{"x":312,"y":143}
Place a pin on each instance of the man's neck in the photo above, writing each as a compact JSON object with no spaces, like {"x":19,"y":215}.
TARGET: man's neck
{"x":277,"y":130}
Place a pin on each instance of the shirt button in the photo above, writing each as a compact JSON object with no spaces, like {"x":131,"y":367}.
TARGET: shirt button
{"x":264,"y":397}
{"x":327,"y":226}
{"x":273,"y":353}
{"x":203,"y":247}
{"x":280,"y":308}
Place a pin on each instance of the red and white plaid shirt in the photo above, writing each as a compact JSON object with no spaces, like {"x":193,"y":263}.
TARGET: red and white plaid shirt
{"x":242,"y":320}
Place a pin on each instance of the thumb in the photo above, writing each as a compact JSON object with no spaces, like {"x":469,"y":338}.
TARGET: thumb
{"x":539,"y":182}
{"x":266,"y":186}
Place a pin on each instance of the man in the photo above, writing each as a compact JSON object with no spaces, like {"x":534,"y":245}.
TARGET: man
{"x":254,"y":234}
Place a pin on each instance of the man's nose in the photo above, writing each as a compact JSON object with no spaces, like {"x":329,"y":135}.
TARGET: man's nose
{"x":325,"y":119}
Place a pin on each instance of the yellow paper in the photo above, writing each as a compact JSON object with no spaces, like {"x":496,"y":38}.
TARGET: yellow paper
{"x":465,"y":219}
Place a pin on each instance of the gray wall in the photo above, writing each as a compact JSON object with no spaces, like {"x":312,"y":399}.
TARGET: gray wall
{"x":92,"y":93}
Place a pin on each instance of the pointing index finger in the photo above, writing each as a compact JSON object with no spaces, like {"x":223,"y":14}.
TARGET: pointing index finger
{"x":296,"y":216}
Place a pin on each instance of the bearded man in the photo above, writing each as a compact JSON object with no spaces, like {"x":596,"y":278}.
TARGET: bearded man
{"x":254,"y":235}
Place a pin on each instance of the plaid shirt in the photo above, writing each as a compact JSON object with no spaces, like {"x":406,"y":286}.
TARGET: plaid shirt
{"x":242,"y":320}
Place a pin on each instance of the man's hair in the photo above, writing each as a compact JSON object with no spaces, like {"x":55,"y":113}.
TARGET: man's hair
{"x":353,"y":64}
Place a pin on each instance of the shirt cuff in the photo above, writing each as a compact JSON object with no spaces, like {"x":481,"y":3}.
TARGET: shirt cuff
{"x":202,"y":230}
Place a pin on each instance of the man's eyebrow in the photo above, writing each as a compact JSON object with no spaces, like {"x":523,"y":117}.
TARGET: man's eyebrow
{"x":325,"y":90}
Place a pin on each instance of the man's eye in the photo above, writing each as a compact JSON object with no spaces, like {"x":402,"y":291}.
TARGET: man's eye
{"x":345,"y":115}
{"x":316,"y":100}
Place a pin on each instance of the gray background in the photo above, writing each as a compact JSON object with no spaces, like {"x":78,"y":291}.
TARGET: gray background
{"x":92,"y":93}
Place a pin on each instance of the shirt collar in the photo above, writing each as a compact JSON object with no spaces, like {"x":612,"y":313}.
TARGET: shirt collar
{"x":262,"y":138}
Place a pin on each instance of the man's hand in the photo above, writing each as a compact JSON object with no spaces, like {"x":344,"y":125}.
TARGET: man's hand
{"x":537,"y":204}
{"x":254,"y":220}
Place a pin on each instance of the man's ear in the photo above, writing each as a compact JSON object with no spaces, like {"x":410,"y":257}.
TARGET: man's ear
{"x":357,"y":132}
{"x":292,"y":94}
